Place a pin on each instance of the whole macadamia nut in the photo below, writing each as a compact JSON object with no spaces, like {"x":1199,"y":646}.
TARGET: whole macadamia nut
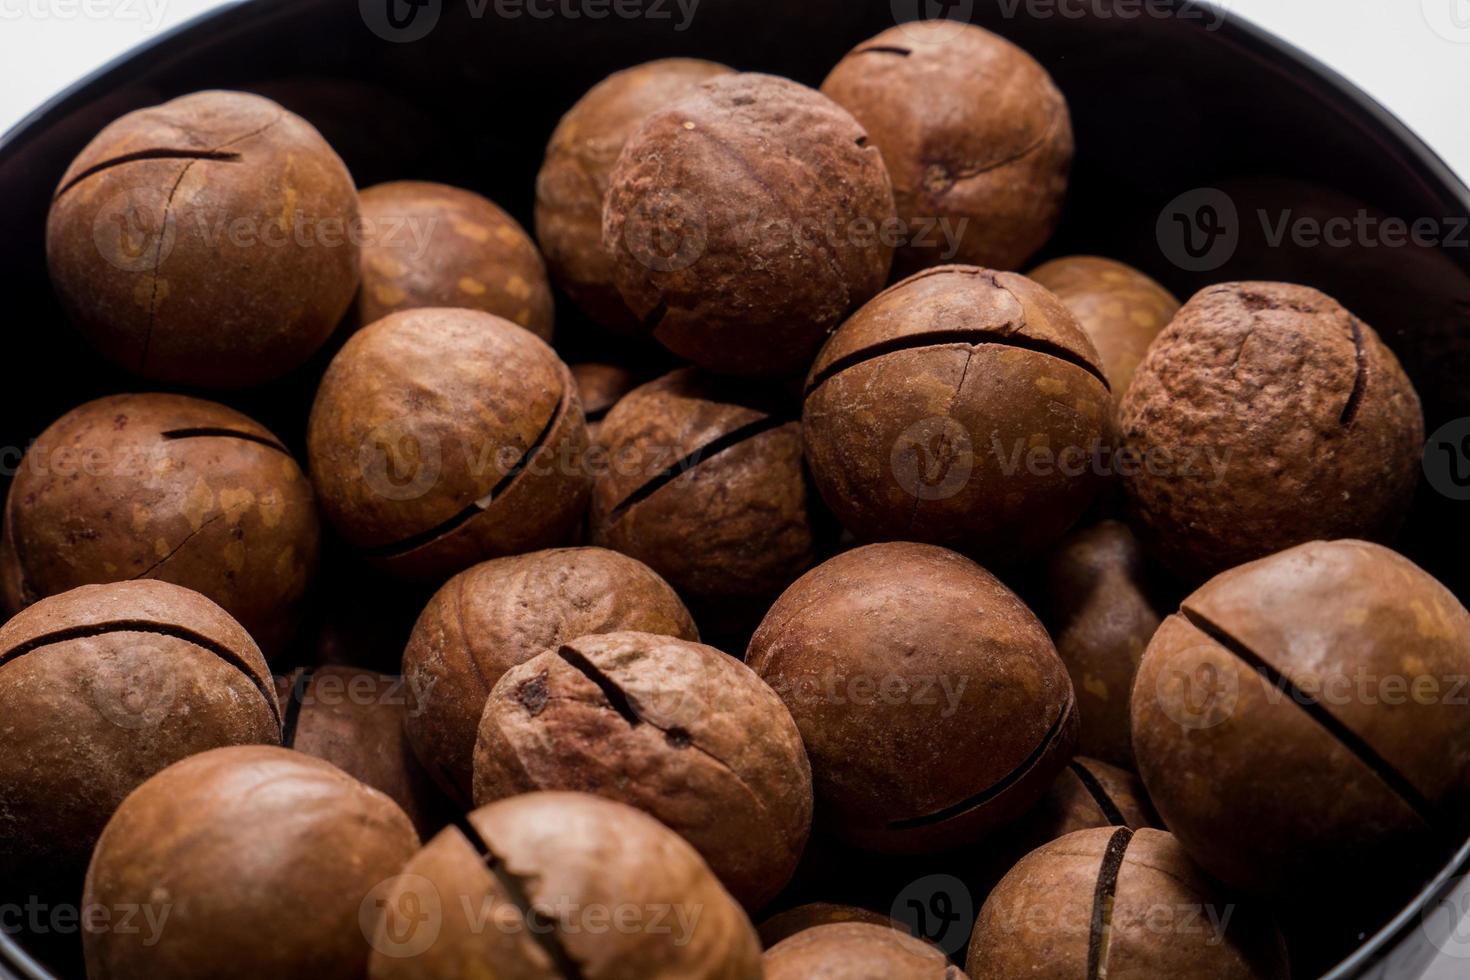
{"x":961,"y":407}
{"x":784,"y":925}
{"x":170,"y":488}
{"x":441,"y":437}
{"x":206,"y":241}
{"x":933,"y":706}
{"x":975,"y":135}
{"x":743,"y":223}
{"x":677,"y":729}
{"x":857,"y":951}
{"x":1264,"y":416}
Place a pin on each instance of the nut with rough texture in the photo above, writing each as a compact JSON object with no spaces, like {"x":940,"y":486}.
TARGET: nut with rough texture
{"x":677,"y":729}
{"x":857,"y":951}
{"x":601,"y":387}
{"x":1299,"y":423}
{"x":741,"y":221}
{"x":784,"y":925}
{"x":206,"y":241}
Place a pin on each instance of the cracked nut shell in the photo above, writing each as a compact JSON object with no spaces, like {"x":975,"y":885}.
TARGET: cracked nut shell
{"x":857,"y":951}
{"x":206,"y":241}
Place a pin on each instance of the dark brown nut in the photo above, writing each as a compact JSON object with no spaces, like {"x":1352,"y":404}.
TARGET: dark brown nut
{"x":1087,"y":795}
{"x":102,"y":687}
{"x":1113,"y":902}
{"x":502,"y":613}
{"x":744,"y":222}
{"x":974,"y":132}
{"x":1102,"y":612}
{"x":169,"y":488}
{"x":1121,"y":309}
{"x":961,"y":407}
{"x":353,"y":719}
{"x":705,"y":484}
{"x":1294,"y":721}
{"x":579,"y":886}
{"x":933,"y":706}
{"x":1265,"y":416}
{"x":601,"y":386}
{"x":857,"y":951}
{"x":784,"y":925}
{"x":206,"y":241}
{"x":572,"y":185}
{"x":432,"y":245}
{"x":441,"y":437}
{"x":674,"y":728}
{"x":263,"y":861}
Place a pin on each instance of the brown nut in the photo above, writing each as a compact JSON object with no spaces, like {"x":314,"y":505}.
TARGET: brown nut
{"x":206,"y":241}
{"x":705,"y":484}
{"x":601,"y":386}
{"x":740,"y":220}
{"x":974,"y":132}
{"x":441,"y":437}
{"x":961,"y":407}
{"x":169,"y":488}
{"x":784,"y":925}
{"x":1121,"y":309}
{"x":1264,"y":416}
{"x":502,"y":613}
{"x":857,"y":951}
{"x":263,"y":860}
{"x":578,"y":886}
{"x":677,"y":729}
{"x":1294,"y":724}
{"x":572,"y":184}
{"x":933,"y":706}
{"x":430,"y":245}
{"x":1113,"y":902}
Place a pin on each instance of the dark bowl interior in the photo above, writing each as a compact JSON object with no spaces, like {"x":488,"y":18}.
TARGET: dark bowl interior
{"x":1161,"y":105}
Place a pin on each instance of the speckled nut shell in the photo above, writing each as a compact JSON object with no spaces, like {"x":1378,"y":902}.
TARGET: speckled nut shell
{"x":601,"y":385}
{"x":579,"y":886}
{"x":353,"y":718}
{"x":496,"y":615}
{"x":206,"y":241}
{"x":677,"y":729}
{"x":933,"y":706}
{"x":705,"y":484}
{"x":1294,"y":724}
{"x":102,"y":687}
{"x":961,"y":407}
{"x":428,"y":245}
{"x":1264,"y":416}
{"x":441,"y":437}
{"x":973,"y":130}
{"x":265,"y":860}
{"x":784,"y":925}
{"x":857,"y":951}
{"x":572,"y":184}
{"x":170,"y":488}
{"x":1102,"y":611}
{"x":1117,"y":903}
{"x":745,"y":222}
{"x":1121,"y":309}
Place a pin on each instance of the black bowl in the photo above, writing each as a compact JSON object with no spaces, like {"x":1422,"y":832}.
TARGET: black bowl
{"x":1179,"y":109}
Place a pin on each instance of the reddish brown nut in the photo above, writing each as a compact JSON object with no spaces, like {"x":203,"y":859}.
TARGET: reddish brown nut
{"x":170,"y":488}
{"x":705,"y":484}
{"x":264,"y":861}
{"x":1295,"y":723}
{"x":784,"y":925}
{"x":1264,"y":416}
{"x":601,"y":385}
{"x":441,"y":437}
{"x":578,"y":886}
{"x":961,"y":407}
{"x":1113,"y":902}
{"x":1121,"y":309}
{"x":857,"y":951}
{"x":572,"y":185}
{"x":974,"y":132}
{"x":933,"y":706}
{"x":429,"y":245}
{"x":502,"y":613}
{"x":674,"y":728}
{"x":1102,"y":612}
{"x":353,"y":719}
{"x":744,"y":223}
{"x":206,"y":241}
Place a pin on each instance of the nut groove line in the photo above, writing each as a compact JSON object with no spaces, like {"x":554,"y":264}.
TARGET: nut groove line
{"x":294,"y":706}
{"x":1094,"y":787}
{"x":222,"y":432}
{"x":1360,"y":380}
{"x":1100,"y":935}
{"x":615,"y":695}
{"x":219,"y":156}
